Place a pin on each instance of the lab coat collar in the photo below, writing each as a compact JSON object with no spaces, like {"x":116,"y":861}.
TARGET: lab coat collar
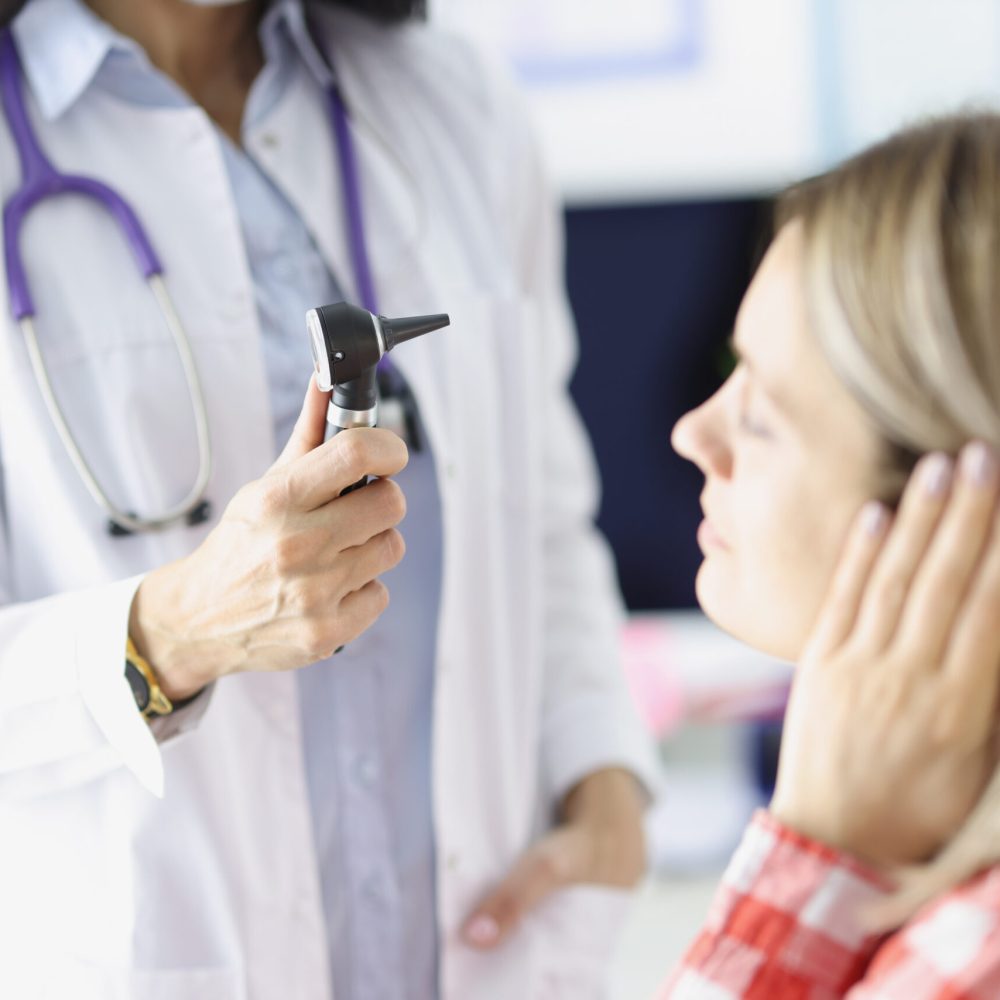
{"x":63,"y":43}
{"x":301,"y":29}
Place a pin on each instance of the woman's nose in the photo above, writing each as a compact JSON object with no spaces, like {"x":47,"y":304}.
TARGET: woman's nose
{"x":700,"y":437}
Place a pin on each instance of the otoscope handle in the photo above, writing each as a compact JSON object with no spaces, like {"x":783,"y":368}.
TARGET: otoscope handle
{"x":336,"y":428}
{"x":363,"y":481}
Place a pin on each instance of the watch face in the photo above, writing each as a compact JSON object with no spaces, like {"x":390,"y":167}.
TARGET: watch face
{"x":138,"y":684}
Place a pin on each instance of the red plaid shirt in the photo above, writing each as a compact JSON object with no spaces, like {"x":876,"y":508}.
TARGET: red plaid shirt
{"x":784,"y":926}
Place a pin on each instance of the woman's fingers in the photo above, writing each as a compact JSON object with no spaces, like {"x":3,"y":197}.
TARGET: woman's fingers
{"x":894,"y":728}
{"x":840,"y":609}
{"x":972,"y":658}
{"x":945,"y":574}
{"x":919,"y":511}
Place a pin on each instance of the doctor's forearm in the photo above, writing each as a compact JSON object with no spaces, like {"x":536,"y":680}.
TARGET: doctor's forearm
{"x":611,"y":802}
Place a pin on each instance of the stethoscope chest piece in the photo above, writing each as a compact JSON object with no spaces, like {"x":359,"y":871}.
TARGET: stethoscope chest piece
{"x":197,"y":515}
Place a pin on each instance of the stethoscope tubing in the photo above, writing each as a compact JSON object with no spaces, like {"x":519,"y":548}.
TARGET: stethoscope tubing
{"x":351,"y":188}
{"x":128,"y":522}
{"x":40,"y":180}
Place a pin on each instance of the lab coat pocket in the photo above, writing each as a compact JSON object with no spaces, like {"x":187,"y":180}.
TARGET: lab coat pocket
{"x":576,"y":934}
{"x":86,"y":982}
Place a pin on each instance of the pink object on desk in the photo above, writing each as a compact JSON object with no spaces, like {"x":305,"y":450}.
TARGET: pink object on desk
{"x":681,"y":668}
{"x":657,"y":691}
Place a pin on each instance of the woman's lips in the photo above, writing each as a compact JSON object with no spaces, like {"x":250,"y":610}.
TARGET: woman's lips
{"x":709,"y":538}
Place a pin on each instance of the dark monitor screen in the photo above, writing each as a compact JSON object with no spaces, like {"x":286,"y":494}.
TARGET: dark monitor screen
{"x":658,"y":287}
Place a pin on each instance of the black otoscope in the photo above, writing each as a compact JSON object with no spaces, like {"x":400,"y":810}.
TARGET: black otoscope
{"x":347,"y":344}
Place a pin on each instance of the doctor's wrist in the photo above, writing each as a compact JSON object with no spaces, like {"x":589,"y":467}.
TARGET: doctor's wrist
{"x":610,"y":804}
{"x":157,"y":631}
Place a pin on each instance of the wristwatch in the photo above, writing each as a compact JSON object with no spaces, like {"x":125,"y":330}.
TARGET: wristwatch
{"x":149,"y":699}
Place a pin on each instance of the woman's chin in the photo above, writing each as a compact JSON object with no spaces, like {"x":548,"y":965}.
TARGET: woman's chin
{"x":717,"y":605}
{"x":748,"y":624}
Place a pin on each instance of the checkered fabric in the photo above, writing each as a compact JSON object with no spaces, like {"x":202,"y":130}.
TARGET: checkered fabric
{"x":786,"y":925}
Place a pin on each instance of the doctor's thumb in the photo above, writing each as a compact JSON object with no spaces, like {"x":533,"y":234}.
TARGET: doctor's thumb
{"x":310,"y":427}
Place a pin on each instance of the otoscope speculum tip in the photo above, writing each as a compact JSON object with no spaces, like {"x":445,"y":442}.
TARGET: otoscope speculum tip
{"x":398,"y":331}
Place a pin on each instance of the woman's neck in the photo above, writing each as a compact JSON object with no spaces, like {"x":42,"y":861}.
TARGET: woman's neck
{"x":213,"y":53}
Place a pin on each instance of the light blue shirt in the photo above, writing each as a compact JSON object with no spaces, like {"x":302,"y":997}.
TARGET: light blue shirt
{"x":366,"y":714}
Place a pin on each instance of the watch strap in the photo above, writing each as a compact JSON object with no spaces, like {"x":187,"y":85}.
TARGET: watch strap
{"x":149,"y":699}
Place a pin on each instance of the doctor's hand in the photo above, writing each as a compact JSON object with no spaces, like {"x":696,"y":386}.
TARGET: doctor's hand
{"x":291,"y":571}
{"x":891,"y":726}
{"x":600,"y":841}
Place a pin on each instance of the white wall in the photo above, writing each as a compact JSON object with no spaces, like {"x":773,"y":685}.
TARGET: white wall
{"x":655,"y":99}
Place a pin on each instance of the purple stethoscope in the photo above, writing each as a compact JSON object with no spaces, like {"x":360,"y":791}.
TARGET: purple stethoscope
{"x":41,"y":180}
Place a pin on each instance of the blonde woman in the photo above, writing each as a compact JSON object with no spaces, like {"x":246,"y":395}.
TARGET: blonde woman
{"x":851,"y":524}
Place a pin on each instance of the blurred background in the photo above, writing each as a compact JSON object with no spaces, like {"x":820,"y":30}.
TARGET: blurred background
{"x":668,"y":126}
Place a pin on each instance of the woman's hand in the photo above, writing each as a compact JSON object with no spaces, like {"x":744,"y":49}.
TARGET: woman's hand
{"x":290,"y":572}
{"x":889,"y":735}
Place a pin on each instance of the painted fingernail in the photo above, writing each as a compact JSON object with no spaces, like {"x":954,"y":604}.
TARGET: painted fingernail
{"x":936,"y":474}
{"x":979,"y":463}
{"x":874,"y":517}
{"x":483,"y":930}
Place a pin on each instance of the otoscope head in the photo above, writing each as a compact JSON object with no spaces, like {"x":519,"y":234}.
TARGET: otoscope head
{"x":347,"y":344}
{"x":343,"y":341}
{"x":347,"y":341}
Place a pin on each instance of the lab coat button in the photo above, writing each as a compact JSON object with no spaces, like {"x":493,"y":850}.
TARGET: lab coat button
{"x":269,"y":140}
{"x":452,"y":862}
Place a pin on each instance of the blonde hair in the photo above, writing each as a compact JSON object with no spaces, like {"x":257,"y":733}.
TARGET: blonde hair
{"x":902,"y":272}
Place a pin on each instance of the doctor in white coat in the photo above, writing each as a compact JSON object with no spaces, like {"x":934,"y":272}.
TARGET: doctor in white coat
{"x":450,"y":807}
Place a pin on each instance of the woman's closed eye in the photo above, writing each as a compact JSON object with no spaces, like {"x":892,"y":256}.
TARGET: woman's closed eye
{"x":749,"y":418}
{"x":753,"y":426}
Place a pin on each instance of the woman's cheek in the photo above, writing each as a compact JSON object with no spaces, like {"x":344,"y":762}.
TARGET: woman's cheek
{"x":805,"y":559}
{"x":776,"y":562}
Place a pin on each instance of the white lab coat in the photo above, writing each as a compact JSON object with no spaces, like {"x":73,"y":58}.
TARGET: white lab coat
{"x":109,"y":891}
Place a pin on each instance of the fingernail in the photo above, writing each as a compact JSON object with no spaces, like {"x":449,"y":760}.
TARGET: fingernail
{"x":483,"y":930}
{"x":874,"y":517}
{"x":936,"y":474}
{"x":979,"y":463}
